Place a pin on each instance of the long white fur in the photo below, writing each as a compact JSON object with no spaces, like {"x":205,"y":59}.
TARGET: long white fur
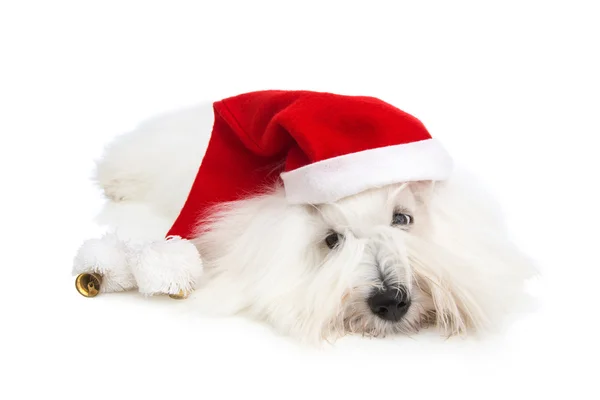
{"x":266,"y":259}
{"x":106,"y":255}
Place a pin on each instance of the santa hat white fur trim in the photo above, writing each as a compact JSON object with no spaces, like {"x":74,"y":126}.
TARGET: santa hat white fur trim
{"x":335,"y":178}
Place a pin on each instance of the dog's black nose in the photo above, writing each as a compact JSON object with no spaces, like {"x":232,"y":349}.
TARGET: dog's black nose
{"x":390,"y":304}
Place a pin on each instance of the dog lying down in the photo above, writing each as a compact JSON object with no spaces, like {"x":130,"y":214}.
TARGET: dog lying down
{"x":320,"y":214}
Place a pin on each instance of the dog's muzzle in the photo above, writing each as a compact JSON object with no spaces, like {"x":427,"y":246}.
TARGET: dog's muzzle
{"x":391,"y":304}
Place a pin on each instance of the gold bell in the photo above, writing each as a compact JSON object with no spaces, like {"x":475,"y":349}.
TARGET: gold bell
{"x":88,"y":284}
{"x":179,"y":296}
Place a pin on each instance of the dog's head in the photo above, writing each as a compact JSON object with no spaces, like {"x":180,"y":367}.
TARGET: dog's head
{"x":390,"y":260}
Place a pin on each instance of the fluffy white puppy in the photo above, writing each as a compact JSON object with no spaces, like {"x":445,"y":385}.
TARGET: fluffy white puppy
{"x":388,"y":260}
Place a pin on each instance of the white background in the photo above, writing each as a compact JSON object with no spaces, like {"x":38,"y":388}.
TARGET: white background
{"x":511,"y":87}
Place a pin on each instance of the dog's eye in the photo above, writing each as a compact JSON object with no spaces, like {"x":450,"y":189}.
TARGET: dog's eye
{"x":402,"y":219}
{"x":332,"y":240}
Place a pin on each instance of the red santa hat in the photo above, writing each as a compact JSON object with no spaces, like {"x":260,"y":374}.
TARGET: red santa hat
{"x":322,"y":147}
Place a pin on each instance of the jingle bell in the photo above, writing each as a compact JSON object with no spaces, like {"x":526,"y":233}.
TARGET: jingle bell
{"x":88,"y":284}
{"x":180,"y":296}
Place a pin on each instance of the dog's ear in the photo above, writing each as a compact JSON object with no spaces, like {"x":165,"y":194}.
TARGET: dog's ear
{"x":476,"y":274}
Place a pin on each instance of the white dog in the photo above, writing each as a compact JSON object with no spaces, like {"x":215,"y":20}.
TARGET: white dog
{"x":390,"y":259}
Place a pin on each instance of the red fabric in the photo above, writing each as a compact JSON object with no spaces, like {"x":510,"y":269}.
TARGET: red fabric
{"x":258,"y":135}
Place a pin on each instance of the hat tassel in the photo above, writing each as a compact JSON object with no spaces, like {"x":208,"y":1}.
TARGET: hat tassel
{"x":109,"y":264}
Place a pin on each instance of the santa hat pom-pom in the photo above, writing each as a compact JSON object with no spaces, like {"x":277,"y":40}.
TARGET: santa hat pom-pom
{"x":106,"y":256}
{"x":171,"y":266}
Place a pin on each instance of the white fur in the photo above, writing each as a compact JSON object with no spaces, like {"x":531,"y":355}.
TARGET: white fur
{"x":333,"y":179}
{"x":266,"y":258}
{"x":106,"y":256}
{"x":170,"y":267}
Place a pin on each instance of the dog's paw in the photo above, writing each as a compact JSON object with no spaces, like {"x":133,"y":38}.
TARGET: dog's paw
{"x":107,"y":257}
{"x":168,"y":267}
